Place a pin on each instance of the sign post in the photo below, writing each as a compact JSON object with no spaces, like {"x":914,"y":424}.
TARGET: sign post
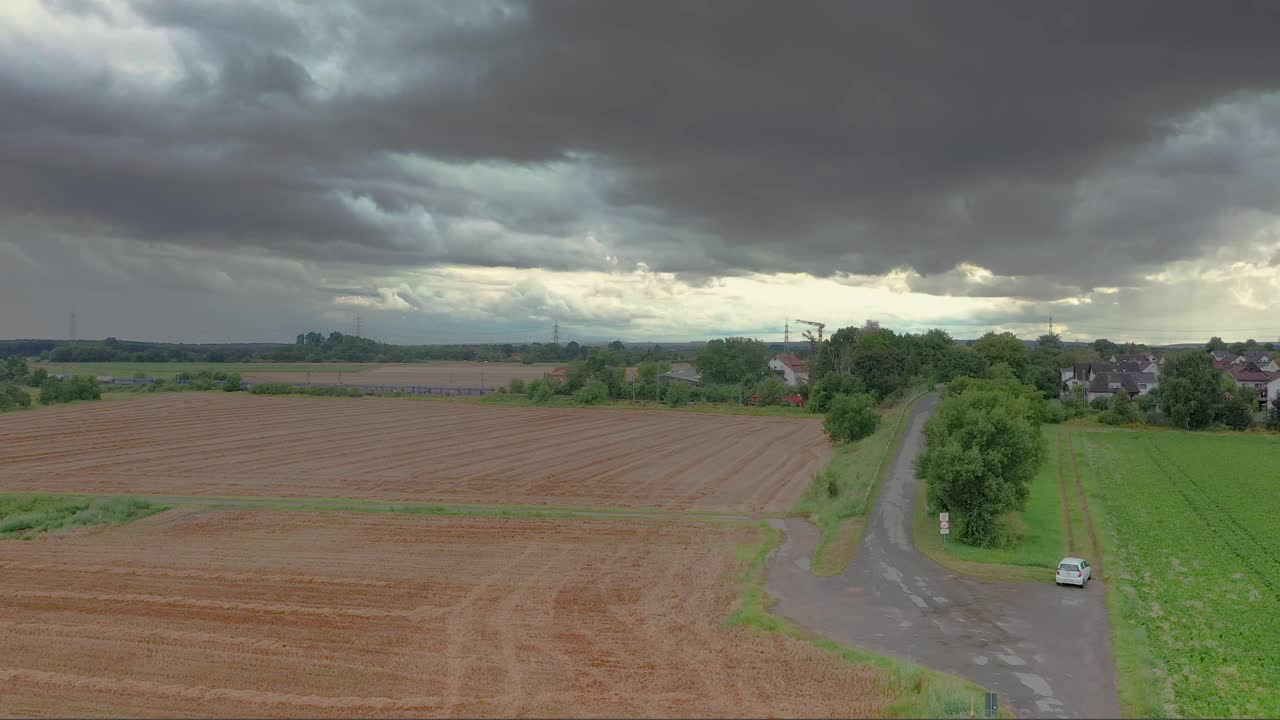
{"x":944,"y":525}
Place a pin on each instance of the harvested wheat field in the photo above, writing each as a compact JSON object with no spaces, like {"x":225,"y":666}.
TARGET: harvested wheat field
{"x":222,"y":444}
{"x":277,"y":613}
{"x":436,"y":374}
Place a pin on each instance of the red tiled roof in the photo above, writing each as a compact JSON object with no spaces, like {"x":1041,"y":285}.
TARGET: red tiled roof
{"x":792,"y":361}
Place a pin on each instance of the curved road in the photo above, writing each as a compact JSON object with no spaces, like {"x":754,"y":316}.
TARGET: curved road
{"x":1046,"y":650}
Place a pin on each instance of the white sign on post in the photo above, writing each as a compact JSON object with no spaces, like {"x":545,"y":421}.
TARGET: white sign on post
{"x":944,"y":523}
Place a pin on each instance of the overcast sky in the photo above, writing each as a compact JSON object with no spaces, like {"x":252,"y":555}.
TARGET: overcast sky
{"x":476,"y":171}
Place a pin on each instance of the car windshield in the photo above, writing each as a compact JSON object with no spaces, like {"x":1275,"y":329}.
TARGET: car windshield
{"x":1069,"y":567}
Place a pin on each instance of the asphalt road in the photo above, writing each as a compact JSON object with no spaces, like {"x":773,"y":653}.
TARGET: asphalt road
{"x":1045,"y":649}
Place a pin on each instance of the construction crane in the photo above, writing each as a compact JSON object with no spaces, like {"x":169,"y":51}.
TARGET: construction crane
{"x":815,"y":324}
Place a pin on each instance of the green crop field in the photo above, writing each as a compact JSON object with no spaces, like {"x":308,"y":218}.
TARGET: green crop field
{"x":1191,"y":529}
{"x":171,"y":369}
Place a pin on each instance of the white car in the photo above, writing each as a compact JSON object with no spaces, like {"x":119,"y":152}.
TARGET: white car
{"x":1073,"y":571}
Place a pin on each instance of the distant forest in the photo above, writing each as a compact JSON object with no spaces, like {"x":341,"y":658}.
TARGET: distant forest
{"x":315,"y":347}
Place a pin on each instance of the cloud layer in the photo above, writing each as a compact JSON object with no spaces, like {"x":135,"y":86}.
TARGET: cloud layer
{"x":1024,"y":156}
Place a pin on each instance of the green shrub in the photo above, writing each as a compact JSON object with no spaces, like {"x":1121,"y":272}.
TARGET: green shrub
{"x":1100,"y":403}
{"x":330,"y":391}
{"x":13,"y":397}
{"x":233,"y":383}
{"x":831,"y":385}
{"x":770,"y":391}
{"x":594,"y":392}
{"x":54,"y":390}
{"x":851,"y":417}
{"x":541,"y":390}
{"x":677,"y":394}
{"x":517,"y":386}
{"x":272,"y":388}
{"x":1273,"y":415}
{"x":37,"y":377}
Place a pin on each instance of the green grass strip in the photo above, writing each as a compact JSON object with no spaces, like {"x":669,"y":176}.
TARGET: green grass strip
{"x":26,"y":516}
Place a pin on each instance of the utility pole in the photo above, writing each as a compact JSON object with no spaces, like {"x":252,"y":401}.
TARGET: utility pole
{"x":555,"y":334}
{"x":358,"y":325}
{"x":1050,"y":323}
{"x":786,"y":334}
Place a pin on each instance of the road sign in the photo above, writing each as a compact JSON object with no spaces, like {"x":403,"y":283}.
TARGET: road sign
{"x":944,"y":528}
{"x":944,"y":517}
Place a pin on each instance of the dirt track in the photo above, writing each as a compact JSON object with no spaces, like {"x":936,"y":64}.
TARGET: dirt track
{"x":402,"y":450}
{"x":258,"y":613}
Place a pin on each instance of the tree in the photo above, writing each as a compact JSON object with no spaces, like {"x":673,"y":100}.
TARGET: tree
{"x":1215,"y":343}
{"x":14,"y":369}
{"x":232,"y":383}
{"x":541,"y":390}
{"x":822,"y":392}
{"x":1004,"y":348}
{"x":731,"y":361}
{"x":648,"y":371}
{"x":677,"y":393}
{"x":984,"y":447}
{"x":1050,"y":344}
{"x":851,"y":418}
{"x":617,"y":346}
{"x":1104,"y":347}
{"x":770,"y":391}
{"x":1120,"y":410}
{"x":1234,"y":407}
{"x":1273,"y":416}
{"x":1189,"y":389}
{"x":594,"y":392}
{"x":37,"y":377}
{"x":13,"y":397}
{"x":517,"y":386}
{"x":961,"y":361}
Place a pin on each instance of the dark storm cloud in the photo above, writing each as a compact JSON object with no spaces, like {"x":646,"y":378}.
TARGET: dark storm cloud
{"x":1031,"y":138}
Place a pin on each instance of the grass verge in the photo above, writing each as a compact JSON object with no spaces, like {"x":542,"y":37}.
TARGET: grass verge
{"x":1038,"y":531}
{"x":838,"y":498}
{"x":920,"y":692}
{"x":26,"y":516}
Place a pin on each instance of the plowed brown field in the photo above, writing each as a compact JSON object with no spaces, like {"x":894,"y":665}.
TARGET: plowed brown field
{"x":402,"y":450}
{"x":236,"y":613}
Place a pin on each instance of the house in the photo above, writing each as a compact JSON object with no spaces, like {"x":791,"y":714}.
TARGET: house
{"x":1222,"y":355}
{"x":1257,"y":357}
{"x":1083,"y":374}
{"x":1272,"y":390}
{"x":1250,"y":376}
{"x":689,"y":376}
{"x":1273,"y":366}
{"x":1146,"y":382}
{"x":790,"y":369}
{"x":1107,"y":384}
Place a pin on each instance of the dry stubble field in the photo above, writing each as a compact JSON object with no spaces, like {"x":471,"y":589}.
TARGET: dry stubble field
{"x":437,"y":374}
{"x":202,"y":611}
{"x":236,"y":613}
{"x":218,"y":444}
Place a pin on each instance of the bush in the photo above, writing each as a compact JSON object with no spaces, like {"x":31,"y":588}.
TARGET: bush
{"x":831,"y":385}
{"x":53,"y":390}
{"x":329,"y":391}
{"x":13,"y":397}
{"x":233,"y":383}
{"x":770,"y":391}
{"x":517,"y":386}
{"x":851,"y":417}
{"x":541,"y":390}
{"x":721,"y":393}
{"x":1122,"y":405}
{"x":1235,"y":415}
{"x":677,"y":394}
{"x":1146,"y":403}
{"x":1100,"y":403}
{"x":984,"y":447}
{"x":272,"y":388}
{"x":37,"y":377}
{"x":1273,"y":415}
{"x":594,"y":392}
{"x":1056,"y":414}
